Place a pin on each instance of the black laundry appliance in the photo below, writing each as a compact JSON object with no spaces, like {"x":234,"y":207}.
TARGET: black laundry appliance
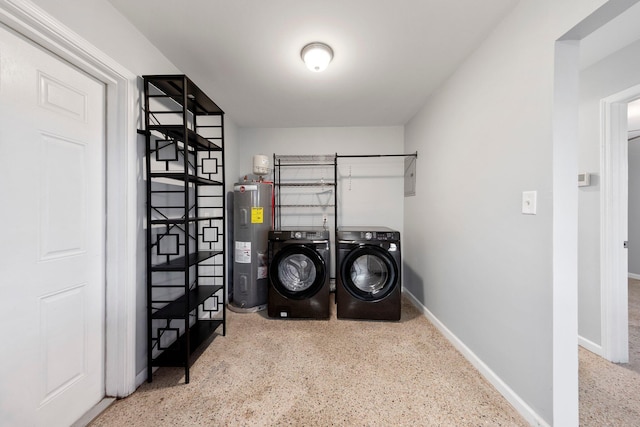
{"x":368,"y":282}
{"x":299,"y":273}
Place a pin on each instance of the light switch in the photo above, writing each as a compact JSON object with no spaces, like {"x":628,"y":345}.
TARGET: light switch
{"x":529,"y":202}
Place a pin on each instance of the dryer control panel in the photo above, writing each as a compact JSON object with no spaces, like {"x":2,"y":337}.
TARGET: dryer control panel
{"x":381,"y":234}
{"x":384,"y":235}
{"x":299,"y":234}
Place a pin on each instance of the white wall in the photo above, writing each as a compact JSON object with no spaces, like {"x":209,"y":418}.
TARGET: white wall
{"x":479,"y":266}
{"x":100,"y":24}
{"x":613,"y":74}
{"x":103,"y":26}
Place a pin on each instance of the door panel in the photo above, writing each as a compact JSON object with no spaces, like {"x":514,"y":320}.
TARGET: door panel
{"x":62,"y":230}
{"x":63,"y":354}
{"x":60,"y":98}
{"x":52,"y":279}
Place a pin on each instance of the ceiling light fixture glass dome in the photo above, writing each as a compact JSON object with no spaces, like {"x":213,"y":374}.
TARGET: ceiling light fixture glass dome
{"x":317,"y":56}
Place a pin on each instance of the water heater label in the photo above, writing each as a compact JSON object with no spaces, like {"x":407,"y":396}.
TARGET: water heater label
{"x":257,"y":215}
{"x":262,"y":266}
{"x":243,"y":252}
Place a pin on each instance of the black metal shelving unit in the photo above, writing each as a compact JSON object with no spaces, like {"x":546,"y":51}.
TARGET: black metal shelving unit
{"x":186,"y":293}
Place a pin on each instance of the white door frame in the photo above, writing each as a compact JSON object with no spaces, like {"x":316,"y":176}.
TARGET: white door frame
{"x":32,"y":22}
{"x":614,"y":196}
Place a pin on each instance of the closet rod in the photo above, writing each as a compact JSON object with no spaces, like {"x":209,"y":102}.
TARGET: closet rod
{"x":378,"y":155}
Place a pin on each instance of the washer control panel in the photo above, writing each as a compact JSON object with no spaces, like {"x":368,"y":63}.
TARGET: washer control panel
{"x":302,"y":234}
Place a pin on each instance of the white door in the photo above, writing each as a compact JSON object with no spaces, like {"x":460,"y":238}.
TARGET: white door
{"x":52,"y":237}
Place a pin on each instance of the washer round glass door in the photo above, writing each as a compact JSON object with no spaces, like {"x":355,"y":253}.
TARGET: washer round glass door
{"x":297,"y":271}
{"x":369,"y":273}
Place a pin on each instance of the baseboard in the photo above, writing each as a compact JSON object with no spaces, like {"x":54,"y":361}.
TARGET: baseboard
{"x":525,"y":410}
{"x":141,"y":378}
{"x":634,"y":276}
{"x":590,"y":345}
{"x":93,"y":413}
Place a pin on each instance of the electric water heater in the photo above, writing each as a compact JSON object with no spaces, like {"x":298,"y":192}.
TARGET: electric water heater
{"x":251,"y":225}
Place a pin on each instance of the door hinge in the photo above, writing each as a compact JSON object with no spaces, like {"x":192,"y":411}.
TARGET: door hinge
{"x":626,"y":244}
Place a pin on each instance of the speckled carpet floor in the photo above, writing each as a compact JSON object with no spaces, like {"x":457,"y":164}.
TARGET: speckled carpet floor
{"x":269,"y":372}
{"x":634,"y":326}
{"x":610,"y":393}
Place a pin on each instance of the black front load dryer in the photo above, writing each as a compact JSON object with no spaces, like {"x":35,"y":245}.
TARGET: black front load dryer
{"x":368,"y":282}
{"x":299,"y":273}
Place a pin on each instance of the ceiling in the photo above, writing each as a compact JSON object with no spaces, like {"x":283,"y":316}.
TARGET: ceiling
{"x":389,"y":55}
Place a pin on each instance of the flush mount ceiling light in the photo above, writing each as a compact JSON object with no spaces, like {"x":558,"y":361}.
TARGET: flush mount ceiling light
{"x":316,"y":56}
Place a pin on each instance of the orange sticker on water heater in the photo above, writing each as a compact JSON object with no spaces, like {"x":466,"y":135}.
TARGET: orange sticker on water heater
{"x":257,"y":215}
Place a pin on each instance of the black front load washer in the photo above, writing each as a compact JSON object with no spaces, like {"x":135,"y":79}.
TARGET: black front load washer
{"x":368,"y":282}
{"x":299,"y":273}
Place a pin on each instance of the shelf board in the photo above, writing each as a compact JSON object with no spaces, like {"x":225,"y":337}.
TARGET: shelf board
{"x":176,"y":221}
{"x":176,"y":309}
{"x":306,"y":184}
{"x":193,"y":139}
{"x":304,"y":206}
{"x":175,"y":355}
{"x":178,"y":264}
{"x":174,"y":87}
{"x":314,"y":159}
{"x":179,"y":176}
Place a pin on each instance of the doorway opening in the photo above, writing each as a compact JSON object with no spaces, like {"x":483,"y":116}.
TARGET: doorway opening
{"x":633,"y":256}
{"x":615,"y":225}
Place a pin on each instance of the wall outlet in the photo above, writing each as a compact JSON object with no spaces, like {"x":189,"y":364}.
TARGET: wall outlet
{"x":529,"y":202}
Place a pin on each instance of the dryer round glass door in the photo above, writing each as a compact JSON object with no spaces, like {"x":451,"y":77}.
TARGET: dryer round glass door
{"x":369,"y":273}
{"x":297,"y":272}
